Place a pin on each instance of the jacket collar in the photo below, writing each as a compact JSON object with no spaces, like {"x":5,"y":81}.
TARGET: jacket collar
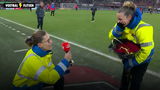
{"x":39,"y":51}
{"x":136,"y":19}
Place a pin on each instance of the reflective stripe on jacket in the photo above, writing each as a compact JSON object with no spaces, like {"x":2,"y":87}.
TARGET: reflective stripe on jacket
{"x":35,"y":69}
{"x":142,"y":34}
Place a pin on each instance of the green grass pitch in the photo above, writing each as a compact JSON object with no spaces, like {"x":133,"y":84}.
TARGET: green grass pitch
{"x":75,"y":26}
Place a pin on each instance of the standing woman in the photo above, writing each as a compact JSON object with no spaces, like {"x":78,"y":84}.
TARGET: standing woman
{"x":40,"y":15}
{"x":130,"y":26}
{"x":37,"y":69}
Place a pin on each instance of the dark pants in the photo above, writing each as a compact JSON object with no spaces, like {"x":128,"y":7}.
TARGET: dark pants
{"x":52,"y":12}
{"x":30,"y":9}
{"x":93,"y":14}
{"x":76,"y":9}
{"x":40,"y":22}
{"x":59,"y":85}
{"x":131,"y":80}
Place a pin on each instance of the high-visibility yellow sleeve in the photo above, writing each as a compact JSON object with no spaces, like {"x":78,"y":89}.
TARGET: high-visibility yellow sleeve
{"x":145,"y":39}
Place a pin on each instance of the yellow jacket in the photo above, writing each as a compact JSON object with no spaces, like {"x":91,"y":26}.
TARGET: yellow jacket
{"x":35,"y":69}
{"x":142,"y":34}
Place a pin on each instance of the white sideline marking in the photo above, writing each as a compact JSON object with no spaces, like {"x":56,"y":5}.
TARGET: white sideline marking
{"x":21,"y":50}
{"x":23,"y":34}
{"x":18,"y":31}
{"x":13,"y":29}
{"x":86,"y":48}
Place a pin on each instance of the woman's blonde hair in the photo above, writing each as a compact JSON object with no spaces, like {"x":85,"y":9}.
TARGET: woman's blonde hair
{"x":129,"y":4}
{"x":128,"y":8}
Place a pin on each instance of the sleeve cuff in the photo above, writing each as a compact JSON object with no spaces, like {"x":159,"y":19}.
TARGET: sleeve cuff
{"x":62,"y":66}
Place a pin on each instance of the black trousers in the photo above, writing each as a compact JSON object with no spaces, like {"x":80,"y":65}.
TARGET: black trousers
{"x":59,"y":85}
{"x":52,"y":12}
{"x":76,"y":9}
{"x":93,"y":14}
{"x":40,"y":22}
{"x":30,"y":9}
{"x":131,"y":79}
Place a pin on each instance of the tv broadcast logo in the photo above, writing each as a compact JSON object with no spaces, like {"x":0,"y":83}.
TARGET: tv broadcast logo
{"x":19,"y":5}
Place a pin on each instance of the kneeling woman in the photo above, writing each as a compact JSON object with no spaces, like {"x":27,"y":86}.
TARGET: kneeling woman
{"x":37,"y":69}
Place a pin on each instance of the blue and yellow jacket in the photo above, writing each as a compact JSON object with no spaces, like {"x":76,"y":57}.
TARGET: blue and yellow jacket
{"x":37,"y":67}
{"x":140,"y":33}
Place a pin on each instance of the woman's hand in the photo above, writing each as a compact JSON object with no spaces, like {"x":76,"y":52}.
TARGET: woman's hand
{"x":122,"y":26}
{"x":68,"y":56}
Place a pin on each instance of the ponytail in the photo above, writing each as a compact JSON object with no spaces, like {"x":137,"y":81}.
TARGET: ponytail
{"x":36,"y":38}
{"x":29,"y":41}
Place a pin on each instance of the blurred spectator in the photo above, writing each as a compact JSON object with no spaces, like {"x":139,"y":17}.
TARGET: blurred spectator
{"x":40,"y":15}
{"x":76,"y":6}
{"x":52,"y":9}
{"x":93,"y":9}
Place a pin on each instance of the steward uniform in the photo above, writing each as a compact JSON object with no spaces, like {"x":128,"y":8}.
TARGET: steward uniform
{"x":37,"y":68}
{"x":140,"y":33}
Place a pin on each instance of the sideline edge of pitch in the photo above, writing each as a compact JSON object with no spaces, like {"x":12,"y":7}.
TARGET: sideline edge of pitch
{"x":78,"y":45}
